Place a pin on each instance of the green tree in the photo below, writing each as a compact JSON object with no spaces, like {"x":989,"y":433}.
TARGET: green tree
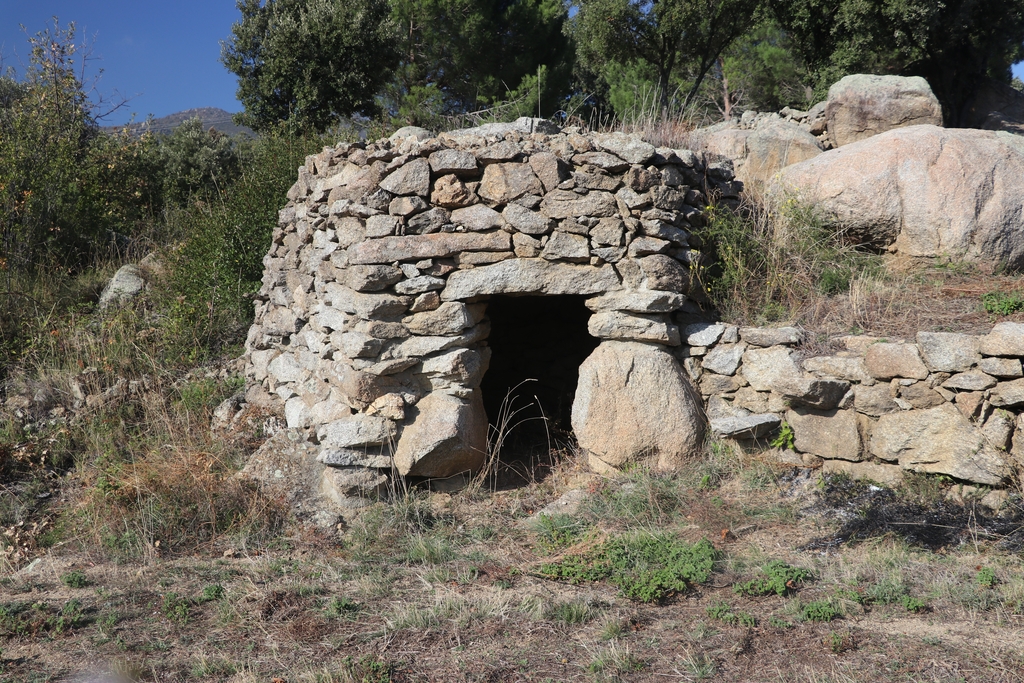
{"x":680,"y":40}
{"x":65,"y":185}
{"x":195,"y":162}
{"x":460,"y":55}
{"x":954,"y":44}
{"x":309,"y":62}
{"x":761,"y":70}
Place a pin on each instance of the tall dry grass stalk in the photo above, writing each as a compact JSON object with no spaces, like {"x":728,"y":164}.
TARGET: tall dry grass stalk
{"x":507,"y":420}
{"x":675,"y":126}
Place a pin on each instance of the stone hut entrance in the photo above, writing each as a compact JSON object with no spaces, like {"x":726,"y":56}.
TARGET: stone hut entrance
{"x":537,"y":347}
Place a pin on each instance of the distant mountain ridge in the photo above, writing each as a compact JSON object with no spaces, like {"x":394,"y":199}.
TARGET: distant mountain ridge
{"x":212,"y":117}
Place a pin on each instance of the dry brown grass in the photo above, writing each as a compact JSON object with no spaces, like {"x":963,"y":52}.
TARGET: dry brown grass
{"x":318,"y":609}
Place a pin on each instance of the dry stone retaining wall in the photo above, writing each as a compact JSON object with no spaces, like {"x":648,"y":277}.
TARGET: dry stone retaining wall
{"x":948,"y":404}
{"x":371,"y":327}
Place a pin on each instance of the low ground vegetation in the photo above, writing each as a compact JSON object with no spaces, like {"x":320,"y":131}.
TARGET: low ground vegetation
{"x":482,"y":585}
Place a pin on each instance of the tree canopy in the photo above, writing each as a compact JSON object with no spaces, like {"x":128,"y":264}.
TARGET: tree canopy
{"x":313,"y":62}
{"x":953,"y":44}
{"x":309,"y":62}
{"x":460,"y":55}
{"x":677,"y":40}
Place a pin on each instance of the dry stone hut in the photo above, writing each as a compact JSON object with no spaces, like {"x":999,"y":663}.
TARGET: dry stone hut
{"x":413,"y":283}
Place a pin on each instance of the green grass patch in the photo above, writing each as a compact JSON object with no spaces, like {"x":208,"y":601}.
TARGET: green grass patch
{"x":644,"y":566}
{"x":572,"y":612}
{"x":555,"y":532}
{"x":776,"y":577}
{"x":74,"y":579}
{"x":1002,"y":303}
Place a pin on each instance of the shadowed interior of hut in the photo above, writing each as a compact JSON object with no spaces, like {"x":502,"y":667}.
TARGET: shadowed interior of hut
{"x":538,"y":344}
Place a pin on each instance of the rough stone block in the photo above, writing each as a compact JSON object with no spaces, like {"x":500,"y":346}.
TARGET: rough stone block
{"x":1003,"y":368}
{"x":447,"y":436}
{"x":948,"y":352}
{"x":724,"y":359}
{"x":411,"y":179}
{"x":623,"y":326}
{"x":1008,"y":394}
{"x":939,"y":440}
{"x":562,"y":246}
{"x":827,"y":434}
{"x":888,"y":360}
{"x":635,"y":405}
{"x":503,"y":183}
{"x":1005,"y":339}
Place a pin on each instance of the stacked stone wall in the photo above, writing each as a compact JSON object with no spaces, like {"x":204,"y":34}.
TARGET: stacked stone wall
{"x":946,"y":403}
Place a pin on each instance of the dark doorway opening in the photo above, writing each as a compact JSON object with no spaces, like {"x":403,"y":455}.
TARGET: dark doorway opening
{"x":538,"y":344}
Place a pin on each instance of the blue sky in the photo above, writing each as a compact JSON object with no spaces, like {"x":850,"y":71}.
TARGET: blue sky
{"x":163,"y":55}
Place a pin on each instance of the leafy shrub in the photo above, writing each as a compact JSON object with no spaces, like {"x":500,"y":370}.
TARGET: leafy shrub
{"x":912,"y":604}
{"x":645,"y":566}
{"x":367,"y":669}
{"x":176,"y":608}
{"x":196,"y":164}
{"x":778,"y":577}
{"x":342,"y":608}
{"x":219,"y":266}
{"x":74,"y":579}
{"x":724,"y":612}
{"x":21,"y":619}
{"x":786,"y":438}
{"x":986,"y":577}
{"x":211,"y":593}
{"x":1002,"y":303}
{"x":819,"y":610}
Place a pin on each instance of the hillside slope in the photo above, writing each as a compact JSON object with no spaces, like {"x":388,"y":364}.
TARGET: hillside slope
{"x":212,"y":117}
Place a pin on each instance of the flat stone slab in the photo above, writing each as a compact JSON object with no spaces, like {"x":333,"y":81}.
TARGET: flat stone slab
{"x":747,"y":427}
{"x":437,"y":245}
{"x":531,"y":276}
{"x":771,"y":336}
{"x":638,"y":301}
